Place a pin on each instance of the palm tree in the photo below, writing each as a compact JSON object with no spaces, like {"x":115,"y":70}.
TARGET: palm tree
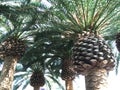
{"x":68,"y":74}
{"x":37,"y":78}
{"x":20,"y":20}
{"x":59,"y":54}
{"x":43,"y":52}
{"x":61,"y":51}
{"x":22,"y":79}
{"x":92,"y":56}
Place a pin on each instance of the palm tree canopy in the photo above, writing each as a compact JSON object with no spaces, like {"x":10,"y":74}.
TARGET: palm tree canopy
{"x":86,"y":15}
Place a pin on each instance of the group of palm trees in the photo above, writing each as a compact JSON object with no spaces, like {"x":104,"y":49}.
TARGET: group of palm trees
{"x":64,"y":40}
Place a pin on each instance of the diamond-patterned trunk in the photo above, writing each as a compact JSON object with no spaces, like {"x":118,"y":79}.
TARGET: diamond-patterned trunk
{"x":37,"y":80}
{"x":7,"y":73}
{"x":68,"y":74}
{"x":96,"y":79}
{"x":11,"y":51}
{"x":13,"y":46}
{"x":91,"y":51}
{"x":93,"y":58}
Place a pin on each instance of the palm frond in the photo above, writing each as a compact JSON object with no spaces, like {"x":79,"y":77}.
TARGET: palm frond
{"x":57,"y":82}
{"x":21,"y":78}
{"x":27,"y":81}
{"x":87,"y":15}
{"x":22,"y":18}
{"x":49,"y":85}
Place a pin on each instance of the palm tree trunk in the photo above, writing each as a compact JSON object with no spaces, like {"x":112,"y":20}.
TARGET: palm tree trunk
{"x":37,"y":88}
{"x":96,"y":80}
{"x":7,"y":73}
{"x":69,"y":85}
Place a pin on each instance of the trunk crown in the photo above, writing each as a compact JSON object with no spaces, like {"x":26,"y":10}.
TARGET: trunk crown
{"x":68,"y":72}
{"x":37,"y":79}
{"x":91,"y":51}
{"x":13,"y":46}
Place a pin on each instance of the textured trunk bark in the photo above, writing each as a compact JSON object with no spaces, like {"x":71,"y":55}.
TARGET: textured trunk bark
{"x":69,"y":85}
{"x":37,"y":88}
{"x":96,"y":80}
{"x":7,"y":73}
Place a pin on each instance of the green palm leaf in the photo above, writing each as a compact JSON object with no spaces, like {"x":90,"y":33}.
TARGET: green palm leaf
{"x":87,"y":15}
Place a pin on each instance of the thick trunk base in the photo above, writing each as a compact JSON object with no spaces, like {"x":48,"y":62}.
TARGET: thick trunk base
{"x":96,"y":79}
{"x":7,"y":73}
{"x":69,"y":85}
{"x":36,"y":88}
